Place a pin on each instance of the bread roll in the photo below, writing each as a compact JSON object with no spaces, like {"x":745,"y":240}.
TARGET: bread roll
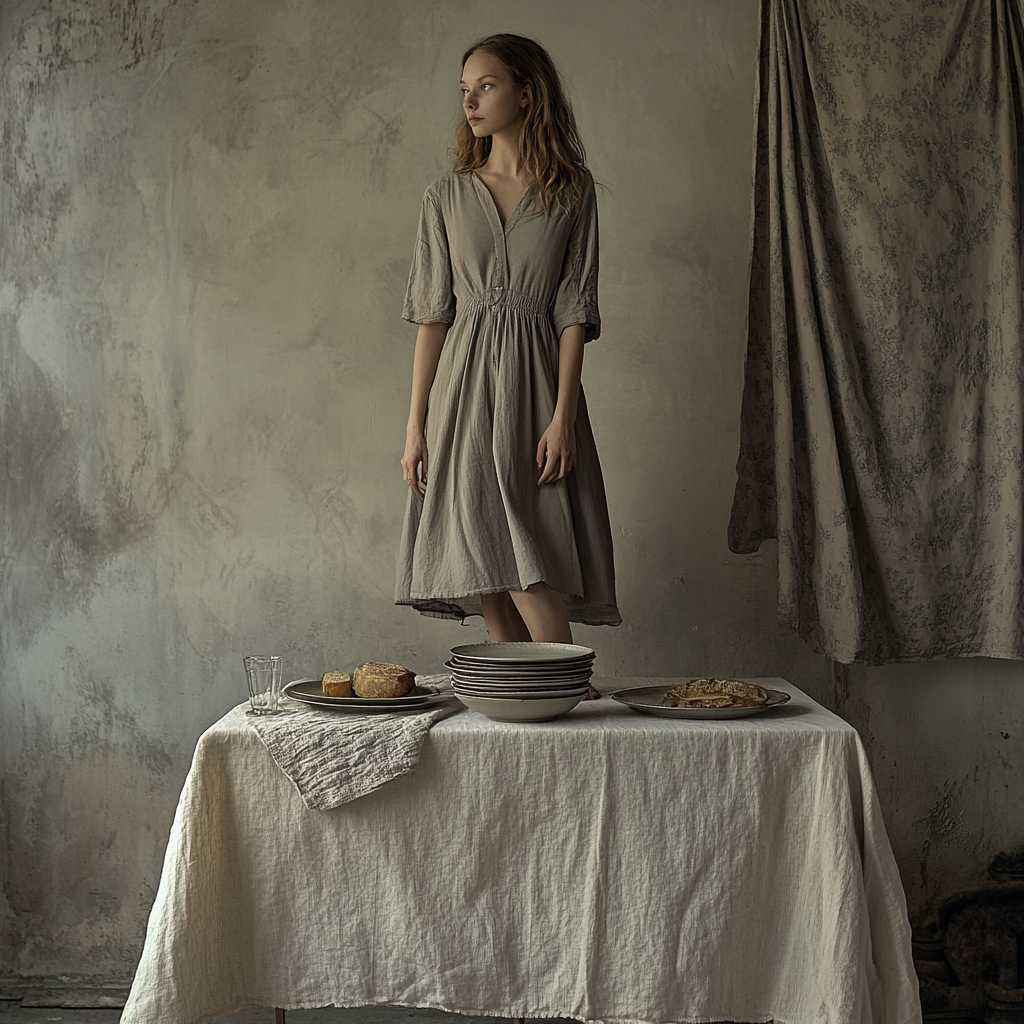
{"x":380,"y":679}
{"x":717,"y":693}
{"x":337,"y":684}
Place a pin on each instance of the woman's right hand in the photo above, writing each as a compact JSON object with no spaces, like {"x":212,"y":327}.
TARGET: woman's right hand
{"x":414,"y":462}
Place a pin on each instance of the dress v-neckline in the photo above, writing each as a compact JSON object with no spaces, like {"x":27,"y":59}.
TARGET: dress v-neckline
{"x":513,"y":217}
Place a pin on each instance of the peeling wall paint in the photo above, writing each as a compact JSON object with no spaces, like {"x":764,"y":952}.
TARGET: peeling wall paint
{"x":207,"y":219}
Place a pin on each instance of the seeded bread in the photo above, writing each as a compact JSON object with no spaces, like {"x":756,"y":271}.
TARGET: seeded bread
{"x":380,"y":679}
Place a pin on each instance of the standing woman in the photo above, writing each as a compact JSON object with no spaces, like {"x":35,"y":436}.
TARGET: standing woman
{"x":506,"y":514}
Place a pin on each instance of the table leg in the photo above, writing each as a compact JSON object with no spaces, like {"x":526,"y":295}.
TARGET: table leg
{"x":278,"y":1015}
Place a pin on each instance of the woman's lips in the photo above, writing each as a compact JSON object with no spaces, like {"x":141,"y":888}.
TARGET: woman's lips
{"x":474,"y":120}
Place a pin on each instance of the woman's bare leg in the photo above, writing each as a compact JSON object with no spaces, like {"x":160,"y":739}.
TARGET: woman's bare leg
{"x":546,"y":617}
{"x":503,"y":619}
{"x":544,"y":613}
{"x":537,"y":613}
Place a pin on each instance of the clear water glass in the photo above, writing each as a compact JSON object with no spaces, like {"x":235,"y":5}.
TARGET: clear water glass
{"x":264,"y":675}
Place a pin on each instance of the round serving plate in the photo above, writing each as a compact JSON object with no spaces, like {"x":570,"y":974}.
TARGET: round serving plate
{"x":515,"y":710}
{"x":516,"y":684}
{"x":515,"y":694}
{"x":461,"y":659}
{"x":539,"y":675}
{"x":310,"y":691}
{"x":535,"y":668}
{"x":524,"y":678}
{"x":531,"y":681}
{"x":648,"y":699}
{"x":520,"y":652}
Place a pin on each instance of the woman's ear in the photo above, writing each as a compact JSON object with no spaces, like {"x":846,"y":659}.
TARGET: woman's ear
{"x":527,"y":98}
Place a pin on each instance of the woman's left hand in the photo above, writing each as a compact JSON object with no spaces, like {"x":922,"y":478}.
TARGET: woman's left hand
{"x":556,"y":452}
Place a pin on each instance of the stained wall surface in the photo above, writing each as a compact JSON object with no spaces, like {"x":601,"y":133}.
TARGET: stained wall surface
{"x":208,"y":215}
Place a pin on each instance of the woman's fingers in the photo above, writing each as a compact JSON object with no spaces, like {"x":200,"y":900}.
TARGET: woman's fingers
{"x":559,"y":463}
{"x":414,"y":467}
{"x":556,"y":452}
{"x":408,"y":477}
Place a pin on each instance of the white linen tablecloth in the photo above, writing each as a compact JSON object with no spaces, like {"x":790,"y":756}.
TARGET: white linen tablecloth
{"x":606,"y":866}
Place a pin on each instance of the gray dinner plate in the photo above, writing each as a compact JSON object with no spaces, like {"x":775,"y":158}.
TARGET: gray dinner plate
{"x":538,"y":673}
{"x":648,"y":699}
{"x":514,"y":693}
{"x":521,"y":652}
{"x":310,"y":691}
{"x":514,"y":676}
{"x":516,"y":684}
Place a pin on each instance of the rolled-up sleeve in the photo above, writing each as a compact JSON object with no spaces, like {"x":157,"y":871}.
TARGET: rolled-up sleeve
{"x":429,"y":298}
{"x":576,"y":296}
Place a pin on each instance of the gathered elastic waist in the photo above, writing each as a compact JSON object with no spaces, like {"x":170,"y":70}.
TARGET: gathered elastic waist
{"x":504,"y":298}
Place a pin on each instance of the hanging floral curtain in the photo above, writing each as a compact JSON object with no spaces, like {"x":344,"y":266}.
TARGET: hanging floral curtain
{"x":883,"y":410}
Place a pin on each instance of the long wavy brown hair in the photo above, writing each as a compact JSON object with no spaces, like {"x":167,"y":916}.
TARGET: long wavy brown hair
{"x":551,"y":155}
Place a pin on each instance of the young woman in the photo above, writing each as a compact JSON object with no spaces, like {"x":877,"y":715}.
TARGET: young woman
{"x":506,"y":513}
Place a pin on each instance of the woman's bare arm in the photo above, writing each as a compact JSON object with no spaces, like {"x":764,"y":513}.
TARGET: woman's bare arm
{"x":556,"y":452}
{"x":429,"y":341}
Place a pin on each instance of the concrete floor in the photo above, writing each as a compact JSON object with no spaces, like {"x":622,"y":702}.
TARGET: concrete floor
{"x":12,"y":1012}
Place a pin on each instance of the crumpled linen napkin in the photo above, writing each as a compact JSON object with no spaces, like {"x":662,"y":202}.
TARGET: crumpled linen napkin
{"x":333,"y":757}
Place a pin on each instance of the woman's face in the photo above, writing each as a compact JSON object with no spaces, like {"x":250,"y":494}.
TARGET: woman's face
{"x":491,"y":100}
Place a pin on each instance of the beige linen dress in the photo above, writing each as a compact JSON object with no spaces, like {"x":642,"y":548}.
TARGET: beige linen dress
{"x":484,"y":525}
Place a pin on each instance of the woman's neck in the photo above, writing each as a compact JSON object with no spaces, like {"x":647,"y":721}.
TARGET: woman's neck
{"x":503,"y":159}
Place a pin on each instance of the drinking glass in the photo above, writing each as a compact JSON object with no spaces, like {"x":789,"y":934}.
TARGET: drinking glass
{"x":264,"y":675}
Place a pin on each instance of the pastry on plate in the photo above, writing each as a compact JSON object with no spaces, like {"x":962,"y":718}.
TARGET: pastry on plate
{"x":716,"y":693}
{"x":379,"y":679}
{"x":337,"y":684}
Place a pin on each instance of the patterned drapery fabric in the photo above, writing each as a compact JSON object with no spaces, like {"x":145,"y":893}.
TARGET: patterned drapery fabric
{"x":883,"y":407}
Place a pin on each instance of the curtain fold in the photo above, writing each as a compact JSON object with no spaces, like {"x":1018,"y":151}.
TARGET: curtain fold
{"x":883,"y":410}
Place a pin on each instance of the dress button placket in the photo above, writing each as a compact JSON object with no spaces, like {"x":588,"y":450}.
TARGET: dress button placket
{"x":500,"y":264}
{"x":496,"y":293}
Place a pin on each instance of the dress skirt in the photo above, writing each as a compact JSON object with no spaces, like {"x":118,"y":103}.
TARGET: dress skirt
{"x":485,"y":525}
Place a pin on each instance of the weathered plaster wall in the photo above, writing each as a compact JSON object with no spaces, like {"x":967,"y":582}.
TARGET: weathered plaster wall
{"x":944,"y":740}
{"x":208,"y":213}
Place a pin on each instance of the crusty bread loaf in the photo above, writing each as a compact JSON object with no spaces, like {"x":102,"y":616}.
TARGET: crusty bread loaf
{"x":337,"y":684}
{"x":709,"y":702}
{"x":717,"y":693}
{"x":379,"y":679}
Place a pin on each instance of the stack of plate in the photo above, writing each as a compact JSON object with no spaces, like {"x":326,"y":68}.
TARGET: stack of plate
{"x":521,"y":682}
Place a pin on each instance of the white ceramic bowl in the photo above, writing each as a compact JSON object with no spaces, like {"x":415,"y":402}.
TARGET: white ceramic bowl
{"x":503,"y":709}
